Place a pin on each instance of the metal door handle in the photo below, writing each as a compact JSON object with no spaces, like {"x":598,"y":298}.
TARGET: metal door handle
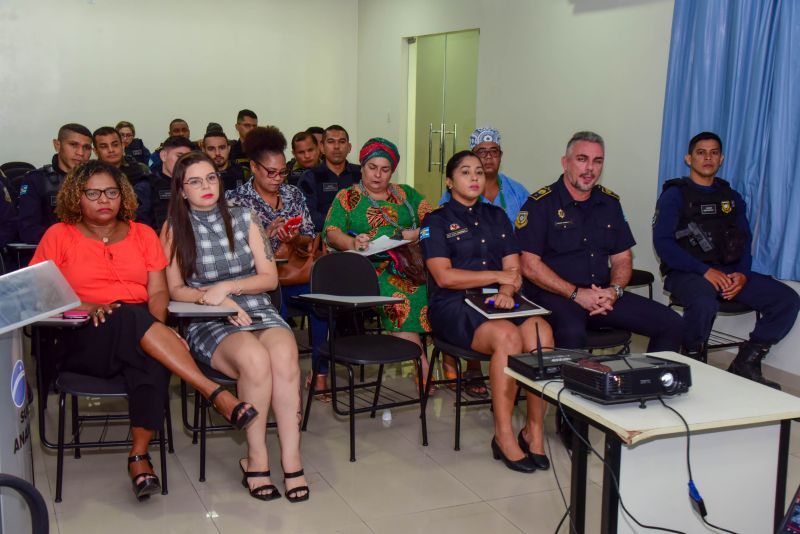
{"x":454,"y":133}
{"x":431,"y":131}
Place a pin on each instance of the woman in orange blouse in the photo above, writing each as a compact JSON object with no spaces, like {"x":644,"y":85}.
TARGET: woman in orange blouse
{"x":116,"y":266}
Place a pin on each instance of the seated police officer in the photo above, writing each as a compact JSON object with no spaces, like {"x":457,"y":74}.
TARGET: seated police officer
{"x":306,"y":152}
{"x":569,"y":233}
{"x":177,"y":128}
{"x":217,"y":147}
{"x":109,"y":148}
{"x":134,"y":146}
{"x":702,"y":237}
{"x":154,"y":193}
{"x":246,"y":121}
{"x":321,"y":183}
{"x":37,"y":194}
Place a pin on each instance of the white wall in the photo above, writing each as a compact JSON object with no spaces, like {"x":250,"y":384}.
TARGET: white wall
{"x":100,"y":61}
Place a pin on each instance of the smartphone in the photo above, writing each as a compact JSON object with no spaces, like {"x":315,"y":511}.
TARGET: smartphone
{"x":75,"y":314}
{"x":293,"y":221}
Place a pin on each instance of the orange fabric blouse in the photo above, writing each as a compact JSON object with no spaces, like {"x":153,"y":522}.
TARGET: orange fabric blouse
{"x":99,"y":273}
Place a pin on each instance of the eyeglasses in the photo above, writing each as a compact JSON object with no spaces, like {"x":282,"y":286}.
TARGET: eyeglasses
{"x":486,"y":152}
{"x":272,"y":173}
{"x":110,"y":192}
{"x":197,"y":182}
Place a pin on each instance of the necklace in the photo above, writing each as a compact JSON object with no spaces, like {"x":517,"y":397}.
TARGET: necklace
{"x":104,"y":238}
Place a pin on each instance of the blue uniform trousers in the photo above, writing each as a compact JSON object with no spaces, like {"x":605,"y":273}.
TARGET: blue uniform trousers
{"x":631,"y":312}
{"x":776,"y":303}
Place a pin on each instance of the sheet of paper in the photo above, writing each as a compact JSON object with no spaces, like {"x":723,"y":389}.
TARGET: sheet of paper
{"x":381,"y":244}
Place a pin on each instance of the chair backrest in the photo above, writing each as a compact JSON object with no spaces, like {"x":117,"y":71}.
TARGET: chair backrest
{"x":11,"y":165}
{"x":344,"y":273}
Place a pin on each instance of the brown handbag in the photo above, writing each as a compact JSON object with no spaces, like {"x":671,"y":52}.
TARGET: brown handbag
{"x":297,"y":269}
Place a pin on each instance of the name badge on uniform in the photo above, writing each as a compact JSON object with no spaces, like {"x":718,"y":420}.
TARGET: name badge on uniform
{"x":164,"y":194}
{"x":458,"y":232}
{"x":53,"y":200}
{"x":708,"y":209}
{"x":330,"y":187}
{"x":563,"y":225}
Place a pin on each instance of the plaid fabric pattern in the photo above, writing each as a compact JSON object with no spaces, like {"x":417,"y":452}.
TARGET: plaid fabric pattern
{"x":216,"y":263}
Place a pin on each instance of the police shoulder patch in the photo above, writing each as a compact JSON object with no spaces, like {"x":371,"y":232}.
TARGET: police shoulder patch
{"x":608,"y":192}
{"x":424,"y":232}
{"x":522,"y":220}
{"x":541,"y":193}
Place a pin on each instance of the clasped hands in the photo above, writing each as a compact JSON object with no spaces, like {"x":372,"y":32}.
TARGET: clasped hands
{"x":596,"y":300}
{"x":728,"y":285}
{"x":506,"y":277}
{"x":219,"y":295}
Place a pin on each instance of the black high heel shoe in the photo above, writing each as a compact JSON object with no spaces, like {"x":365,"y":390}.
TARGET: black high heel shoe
{"x":523,"y":465}
{"x":144,"y":484}
{"x":238,"y":420}
{"x":539,"y":460}
{"x":272,"y":492}
{"x":291,"y":494}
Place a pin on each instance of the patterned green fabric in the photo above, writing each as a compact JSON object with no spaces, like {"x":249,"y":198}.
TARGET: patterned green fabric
{"x":351,"y":211}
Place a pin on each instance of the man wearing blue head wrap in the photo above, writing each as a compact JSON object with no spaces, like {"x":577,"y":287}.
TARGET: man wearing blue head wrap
{"x":501,"y":190}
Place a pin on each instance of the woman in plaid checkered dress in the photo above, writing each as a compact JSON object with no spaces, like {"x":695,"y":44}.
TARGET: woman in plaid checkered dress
{"x":220,"y":256}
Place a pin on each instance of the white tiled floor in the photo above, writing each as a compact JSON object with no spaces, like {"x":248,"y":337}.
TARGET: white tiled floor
{"x":396,"y":485}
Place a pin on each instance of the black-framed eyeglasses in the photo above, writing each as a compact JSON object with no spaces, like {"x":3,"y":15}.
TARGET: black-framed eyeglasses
{"x":197,"y":181}
{"x":111,"y":193}
{"x":273,"y":173}
{"x":486,"y":152}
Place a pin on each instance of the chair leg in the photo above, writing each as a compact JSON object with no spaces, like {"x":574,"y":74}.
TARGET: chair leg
{"x":429,"y":381}
{"x":168,"y":421}
{"x":377,"y":391}
{"x":361,"y":374}
{"x":307,"y":412}
{"x":76,"y":427}
{"x":423,"y":389}
{"x":198,"y":404}
{"x":162,"y":452}
{"x":459,"y":386}
{"x":62,"y":408}
{"x":352,"y":395}
{"x":203,"y":440}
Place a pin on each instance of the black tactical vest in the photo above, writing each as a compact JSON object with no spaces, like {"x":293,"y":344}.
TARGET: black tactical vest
{"x":50,"y":186}
{"x":715,"y":214}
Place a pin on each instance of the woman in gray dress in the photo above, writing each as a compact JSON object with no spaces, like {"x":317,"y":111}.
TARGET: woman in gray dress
{"x":220,"y":256}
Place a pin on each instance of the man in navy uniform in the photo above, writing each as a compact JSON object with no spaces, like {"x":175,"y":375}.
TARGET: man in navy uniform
{"x":246,"y":121}
{"x":154,"y":193}
{"x":321,"y":183}
{"x":37,"y":194}
{"x":576,"y":256}
{"x":109,"y":148}
{"x":711,"y":259}
{"x":217,"y":147}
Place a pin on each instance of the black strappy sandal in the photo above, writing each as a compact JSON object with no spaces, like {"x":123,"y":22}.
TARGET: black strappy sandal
{"x":144,"y":484}
{"x":239,"y":421}
{"x":272,"y":492}
{"x":291,"y":494}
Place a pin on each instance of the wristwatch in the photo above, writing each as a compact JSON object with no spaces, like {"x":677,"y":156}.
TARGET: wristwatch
{"x":618,"y":289}
{"x":574,"y":294}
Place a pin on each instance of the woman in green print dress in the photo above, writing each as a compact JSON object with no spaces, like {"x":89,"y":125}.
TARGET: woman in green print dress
{"x":372,"y":208}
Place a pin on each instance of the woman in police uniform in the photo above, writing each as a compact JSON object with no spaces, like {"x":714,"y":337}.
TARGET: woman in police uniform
{"x":468,"y":245}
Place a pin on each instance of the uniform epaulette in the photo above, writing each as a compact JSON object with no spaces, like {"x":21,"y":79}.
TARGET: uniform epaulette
{"x":541,"y":193}
{"x":440,"y":206}
{"x":608,"y":192}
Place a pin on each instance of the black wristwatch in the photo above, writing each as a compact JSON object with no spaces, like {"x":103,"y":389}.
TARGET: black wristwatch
{"x":574,"y":294}
{"x":618,"y":289}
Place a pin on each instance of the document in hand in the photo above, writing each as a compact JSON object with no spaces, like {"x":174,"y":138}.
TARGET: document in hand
{"x":381,"y":244}
{"x":523,"y":308}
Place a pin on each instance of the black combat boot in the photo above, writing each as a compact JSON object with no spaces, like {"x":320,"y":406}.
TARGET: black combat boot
{"x":748,"y":363}
{"x":699,"y":353}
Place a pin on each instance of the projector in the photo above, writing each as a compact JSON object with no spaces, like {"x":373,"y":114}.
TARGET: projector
{"x":618,"y":379}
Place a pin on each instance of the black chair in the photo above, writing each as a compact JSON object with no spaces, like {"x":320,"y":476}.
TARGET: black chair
{"x":40,"y":521}
{"x":718,"y":340}
{"x":345,"y":274}
{"x":78,"y":385}
{"x":608,"y":338}
{"x":202,"y":408}
{"x":14,"y":172}
{"x":640,"y":278}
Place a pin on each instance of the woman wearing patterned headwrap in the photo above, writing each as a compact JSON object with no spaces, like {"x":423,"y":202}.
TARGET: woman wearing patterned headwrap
{"x":373,"y":208}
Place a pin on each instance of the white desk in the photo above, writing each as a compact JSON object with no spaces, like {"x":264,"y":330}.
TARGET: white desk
{"x":739,"y":451}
